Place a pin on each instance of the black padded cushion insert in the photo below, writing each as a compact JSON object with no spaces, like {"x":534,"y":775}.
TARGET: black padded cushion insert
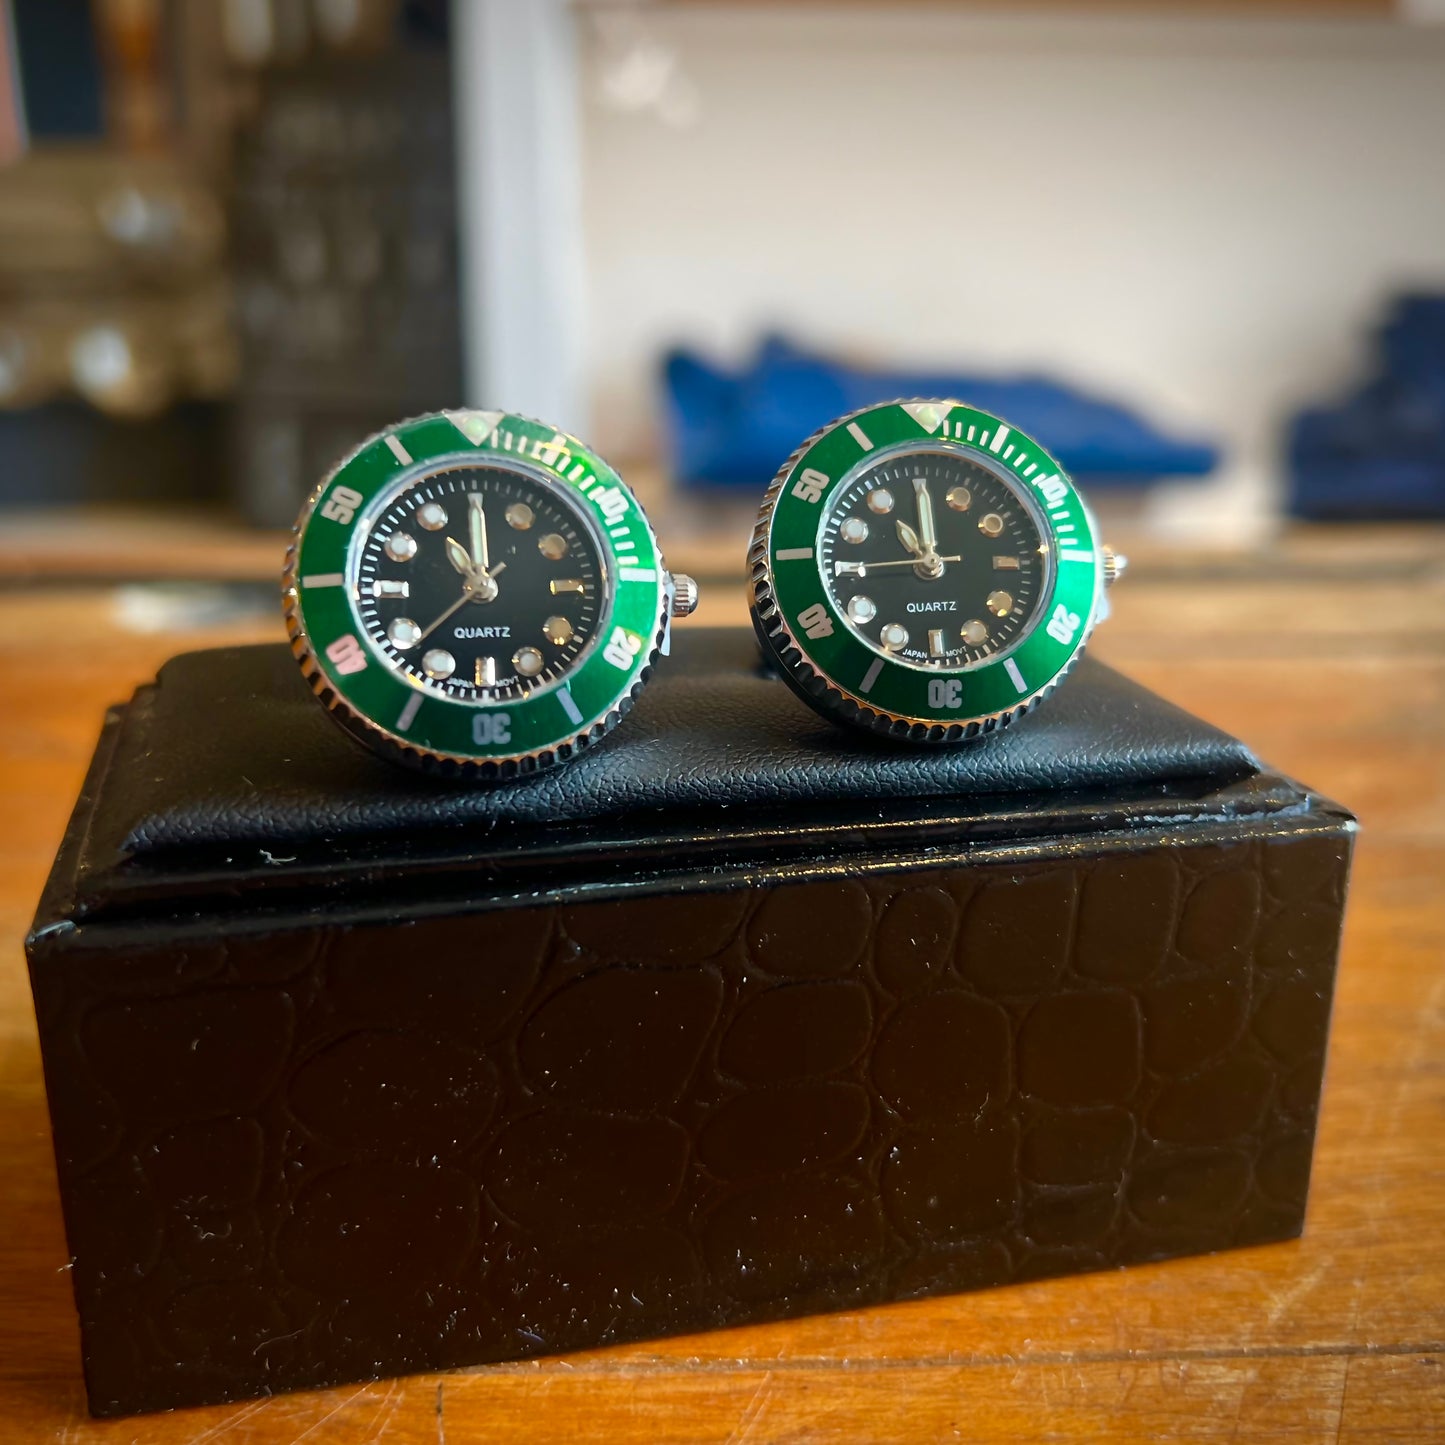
{"x":228,"y":746}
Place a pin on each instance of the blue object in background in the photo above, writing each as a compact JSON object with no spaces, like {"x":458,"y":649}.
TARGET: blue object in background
{"x":58,"y":68}
{"x":1380,"y":453}
{"x":735,"y":429}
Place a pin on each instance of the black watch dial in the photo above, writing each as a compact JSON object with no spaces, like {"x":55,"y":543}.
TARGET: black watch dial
{"x":482,"y":583}
{"x":934,"y":559}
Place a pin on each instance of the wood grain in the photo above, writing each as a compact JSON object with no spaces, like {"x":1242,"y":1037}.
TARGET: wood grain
{"x":1337,"y":675}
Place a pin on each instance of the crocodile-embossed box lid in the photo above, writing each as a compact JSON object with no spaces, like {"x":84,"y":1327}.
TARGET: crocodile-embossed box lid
{"x":736,"y":1017}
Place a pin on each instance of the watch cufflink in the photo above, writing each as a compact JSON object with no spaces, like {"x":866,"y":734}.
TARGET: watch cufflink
{"x":477,"y":594}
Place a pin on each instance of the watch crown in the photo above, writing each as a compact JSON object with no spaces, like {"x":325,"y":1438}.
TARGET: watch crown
{"x":684,"y":595}
{"x":1115,"y":565}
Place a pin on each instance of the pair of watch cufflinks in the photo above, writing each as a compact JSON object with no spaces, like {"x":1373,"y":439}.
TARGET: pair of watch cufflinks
{"x":481,"y":596}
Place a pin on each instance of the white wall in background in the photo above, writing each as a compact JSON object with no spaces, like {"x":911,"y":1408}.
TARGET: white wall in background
{"x":1197,"y":216}
{"x":516,"y":84}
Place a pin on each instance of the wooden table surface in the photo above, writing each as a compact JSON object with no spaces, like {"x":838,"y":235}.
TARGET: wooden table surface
{"x":1329,"y":657}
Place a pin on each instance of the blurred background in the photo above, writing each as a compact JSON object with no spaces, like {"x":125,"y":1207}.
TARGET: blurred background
{"x":1197,"y":247}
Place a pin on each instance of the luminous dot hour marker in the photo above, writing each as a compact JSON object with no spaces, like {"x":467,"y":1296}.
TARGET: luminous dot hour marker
{"x":566,"y":584}
{"x":880,"y":500}
{"x":936,"y":643}
{"x":439,"y":663}
{"x":855,"y":530}
{"x":391,"y":589}
{"x":990,"y":524}
{"x":528,"y":661}
{"x":484,"y":674}
{"x":401,"y":546}
{"x":432,"y":516}
{"x":402,"y":632}
{"x":960,"y":498}
{"x":1005,"y":564}
{"x":557,"y":631}
{"x":862,"y":609}
{"x":1000,"y":603}
{"x":894,"y":634}
{"x":520,"y":516}
{"x":552,"y":546}
{"x":975,"y":632}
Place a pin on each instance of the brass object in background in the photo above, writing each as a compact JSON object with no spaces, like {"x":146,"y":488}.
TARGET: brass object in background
{"x":111,"y":283}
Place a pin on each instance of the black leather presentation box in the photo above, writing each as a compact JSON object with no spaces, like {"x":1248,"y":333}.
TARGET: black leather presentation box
{"x":736,"y":1017}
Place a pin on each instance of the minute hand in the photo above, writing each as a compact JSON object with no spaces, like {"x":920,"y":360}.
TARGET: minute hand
{"x":926,"y":535}
{"x":477,"y":527}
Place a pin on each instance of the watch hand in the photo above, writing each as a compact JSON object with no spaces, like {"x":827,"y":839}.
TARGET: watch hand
{"x":477,"y":522}
{"x":459,"y":557}
{"x":481,"y":585}
{"x":906,"y":562}
{"x":925,"y":516}
{"x":455,"y":607}
{"x":862,"y":569}
{"x":908,"y":537}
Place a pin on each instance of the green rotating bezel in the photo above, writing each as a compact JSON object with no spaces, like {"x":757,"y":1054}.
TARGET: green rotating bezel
{"x":424,"y":725}
{"x":822,"y":654}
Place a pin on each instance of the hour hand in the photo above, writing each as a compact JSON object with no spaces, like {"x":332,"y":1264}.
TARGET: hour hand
{"x":908,"y":537}
{"x":459,"y":557}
